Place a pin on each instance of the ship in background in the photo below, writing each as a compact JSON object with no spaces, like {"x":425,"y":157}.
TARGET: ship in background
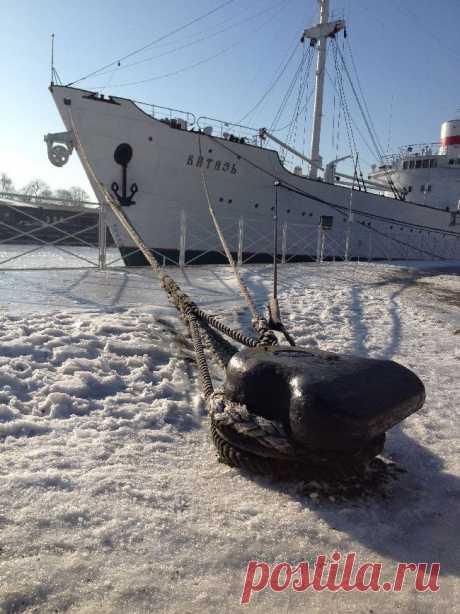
{"x":158,"y":162}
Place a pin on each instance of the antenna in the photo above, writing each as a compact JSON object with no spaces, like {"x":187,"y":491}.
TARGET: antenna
{"x":52,"y":59}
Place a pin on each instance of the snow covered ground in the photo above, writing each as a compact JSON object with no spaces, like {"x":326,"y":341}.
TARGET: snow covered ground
{"x":111,"y":496}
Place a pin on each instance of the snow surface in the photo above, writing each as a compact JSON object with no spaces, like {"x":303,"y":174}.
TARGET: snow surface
{"x":112,"y":499}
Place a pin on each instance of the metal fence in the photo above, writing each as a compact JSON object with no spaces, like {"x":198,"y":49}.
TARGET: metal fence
{"x":44,"y":232}
{"x":47,"y":233}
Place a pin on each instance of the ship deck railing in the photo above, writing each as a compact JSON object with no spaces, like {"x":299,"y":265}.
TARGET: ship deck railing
{"x":230,"y":131}
{"x":167,"y":113}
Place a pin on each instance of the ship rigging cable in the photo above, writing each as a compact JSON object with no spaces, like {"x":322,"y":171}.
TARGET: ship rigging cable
{"x":154,"y":42}
{"x":243,"y":39}
{"x":289,"y":91}
{"x":364,"y":110}
{"x":197,"y":40}
{"x":278,"y":74}
{"x":303,"y":86}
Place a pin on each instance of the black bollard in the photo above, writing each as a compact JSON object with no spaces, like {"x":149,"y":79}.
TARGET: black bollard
{"x":327,"y":402}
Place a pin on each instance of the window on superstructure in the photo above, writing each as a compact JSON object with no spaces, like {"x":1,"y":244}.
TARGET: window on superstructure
{"x":418,"y":163}
{"x":426,"y":163}
{"x":411,"y":164}
{"x":433,"y":163}
{"x":422,"y":187}
{"x":428,"y":187}
{"x":451,"y":161}
{"x":409,"y":189}
{"x":405,"y":164}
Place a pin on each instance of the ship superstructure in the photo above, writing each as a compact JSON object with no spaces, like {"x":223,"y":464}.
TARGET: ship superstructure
{"x":426,"y":173}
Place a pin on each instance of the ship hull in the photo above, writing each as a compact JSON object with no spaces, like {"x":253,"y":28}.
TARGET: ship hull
{"x":170,"y":168}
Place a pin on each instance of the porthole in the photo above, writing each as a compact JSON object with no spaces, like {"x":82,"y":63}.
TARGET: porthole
{"x":303,"y":213}
{"x":256,"y":206}
{"x":288,"y":211}
{"x":230,"y":201}
{"x":221,"y":200}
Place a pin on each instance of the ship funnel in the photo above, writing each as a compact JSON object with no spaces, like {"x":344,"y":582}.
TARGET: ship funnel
{"x":450,"y":138}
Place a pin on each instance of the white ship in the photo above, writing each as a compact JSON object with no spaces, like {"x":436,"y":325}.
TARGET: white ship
{"x":158,"y":161}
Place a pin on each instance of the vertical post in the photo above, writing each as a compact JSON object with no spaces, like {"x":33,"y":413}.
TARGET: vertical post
{"x":183,"y":236}
{"x":284,"y":244}
{"x":349,"y":223}
{"x":52,"y":59}
{"x":240,"y":241}
{"x":319,"y":243}
{"x":102,"y":238}
{"x":369,"y":253}
{"x":319,"y":90}
{"x":275,"y":239}
{"x":348,"y":240}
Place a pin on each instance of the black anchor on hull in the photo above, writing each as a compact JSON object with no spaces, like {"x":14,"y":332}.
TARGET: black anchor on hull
{"x":122,"y":155}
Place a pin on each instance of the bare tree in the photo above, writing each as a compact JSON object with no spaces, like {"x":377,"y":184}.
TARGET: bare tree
{"x":35,"y":188}
{"x":78,"y":194}
{"x":46,"y":193}
{"x":63,"y":194}
{"x":6,"y":183}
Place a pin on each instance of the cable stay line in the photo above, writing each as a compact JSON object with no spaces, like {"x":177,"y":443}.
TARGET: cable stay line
{"x":243,"y":39}
{"x":370,"y":129}
{"x":303,"y":86}
{"x":278,"y":74}
{"x":369,"y":124}
{"x":154,"y":42}
{"x":358,"y":80}
{"x":197,"y":40}
{"x":289,"y":91}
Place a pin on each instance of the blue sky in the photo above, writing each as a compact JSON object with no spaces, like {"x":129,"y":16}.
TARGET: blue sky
{"x":405,"y":51}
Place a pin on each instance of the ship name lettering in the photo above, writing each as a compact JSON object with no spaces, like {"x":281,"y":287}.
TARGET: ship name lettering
{"x":218,"y":165}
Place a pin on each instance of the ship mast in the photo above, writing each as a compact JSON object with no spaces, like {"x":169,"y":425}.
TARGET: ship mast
{"x":318,"y":36}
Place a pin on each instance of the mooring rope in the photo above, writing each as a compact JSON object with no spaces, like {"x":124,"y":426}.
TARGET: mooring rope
{"x":263,"y":437}
{"x":259,"y":323}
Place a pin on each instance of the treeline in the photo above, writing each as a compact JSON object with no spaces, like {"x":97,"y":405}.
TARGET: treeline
{"x":37,"y":187}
